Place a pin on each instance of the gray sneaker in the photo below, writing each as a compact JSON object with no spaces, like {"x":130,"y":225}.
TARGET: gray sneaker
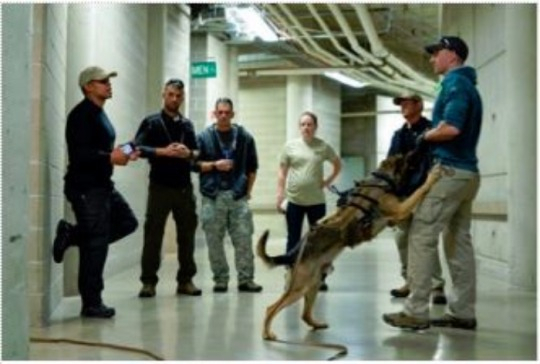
{"x":404,"y":321}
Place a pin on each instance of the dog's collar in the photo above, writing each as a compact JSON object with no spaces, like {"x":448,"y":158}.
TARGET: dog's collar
{"x":386,"y":178}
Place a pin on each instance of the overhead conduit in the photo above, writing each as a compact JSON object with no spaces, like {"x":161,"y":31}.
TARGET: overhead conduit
{"x":378,"y":67}
{"x":425,"y":85}
{"x":379,"y":79}
{"x":294,"y":27}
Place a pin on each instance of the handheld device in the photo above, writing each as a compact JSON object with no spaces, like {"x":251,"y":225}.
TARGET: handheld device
{"x":128,"y":148}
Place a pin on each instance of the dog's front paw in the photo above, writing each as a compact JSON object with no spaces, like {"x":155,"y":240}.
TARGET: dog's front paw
{"x":434,"y":175}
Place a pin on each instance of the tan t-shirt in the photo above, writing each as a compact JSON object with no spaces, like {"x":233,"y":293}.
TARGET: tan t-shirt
{"x":306,"y":173}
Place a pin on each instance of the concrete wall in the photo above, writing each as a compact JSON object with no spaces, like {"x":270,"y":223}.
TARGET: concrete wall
{"x":16,"y":142}
{"x":271,"y":110}
{"x":264,"y":117}
{"x":47,"y":156}
{"x":64,"y":40}
{"x":205,"y":91}
{"x":504,"y":229}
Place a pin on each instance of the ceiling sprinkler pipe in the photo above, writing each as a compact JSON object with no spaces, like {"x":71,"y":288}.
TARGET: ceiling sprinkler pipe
{"x":380,"y":51}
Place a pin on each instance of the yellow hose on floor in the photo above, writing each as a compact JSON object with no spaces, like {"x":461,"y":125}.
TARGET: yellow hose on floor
{"x":99,"y":344}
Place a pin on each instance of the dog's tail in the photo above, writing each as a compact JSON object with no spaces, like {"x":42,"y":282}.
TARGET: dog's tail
{"x":268,"y":260}
{"x":261,"y":250}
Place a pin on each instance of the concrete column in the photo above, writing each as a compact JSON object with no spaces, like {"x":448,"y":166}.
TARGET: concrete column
{"x":232,"y":73}
{"x":521,"y":87}
{"x":157,"y":23}
{"x":299,"y":99}
{"x":16,"y":76}
{"x":82,"y":29}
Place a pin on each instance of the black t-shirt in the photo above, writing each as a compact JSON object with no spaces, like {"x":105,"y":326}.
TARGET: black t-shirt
{"x":90,"y":140}
{"x":227,"y":143}
{"x":158,"y":131}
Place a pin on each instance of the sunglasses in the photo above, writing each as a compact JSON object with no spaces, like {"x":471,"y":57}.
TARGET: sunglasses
{"x":103,"y":82}
{"x":175,"y":82}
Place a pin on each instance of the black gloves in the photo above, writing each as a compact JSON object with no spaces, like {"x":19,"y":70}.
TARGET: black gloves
{"x":420,"y":141}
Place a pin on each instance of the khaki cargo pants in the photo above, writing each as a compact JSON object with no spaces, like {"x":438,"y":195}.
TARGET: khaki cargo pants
{"x":401,"y":236}
{"x":446,"y":208}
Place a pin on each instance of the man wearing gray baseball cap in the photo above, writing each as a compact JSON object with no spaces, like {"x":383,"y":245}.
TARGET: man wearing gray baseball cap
{"x":94,"y":73}
{"x":447,"y":208}
{"x":103,"y":216}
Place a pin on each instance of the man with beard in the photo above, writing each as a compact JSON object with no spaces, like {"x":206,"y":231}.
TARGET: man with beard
{"x":168,"y":140}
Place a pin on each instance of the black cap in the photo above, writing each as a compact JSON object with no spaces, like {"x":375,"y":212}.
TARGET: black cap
{"x":451,"y":43}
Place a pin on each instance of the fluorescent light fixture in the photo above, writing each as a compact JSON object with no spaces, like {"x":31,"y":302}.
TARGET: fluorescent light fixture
{"x":250,"y":22}
{"x":345,"y":79}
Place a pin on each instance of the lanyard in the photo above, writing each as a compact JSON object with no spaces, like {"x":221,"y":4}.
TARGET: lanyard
{"x":227,"y":152}
{"x":162,"y":122}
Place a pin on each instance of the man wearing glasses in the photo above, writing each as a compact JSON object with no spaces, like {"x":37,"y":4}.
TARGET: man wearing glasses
{"x":167,"y":139}
{"x":103,"y":216}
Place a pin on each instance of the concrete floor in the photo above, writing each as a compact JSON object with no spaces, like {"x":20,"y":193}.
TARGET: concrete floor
{"x":228,"y":326}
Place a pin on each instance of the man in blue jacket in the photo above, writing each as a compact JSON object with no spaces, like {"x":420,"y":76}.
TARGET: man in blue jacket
{"x":447,"y":208}
{"x":228,"y":165}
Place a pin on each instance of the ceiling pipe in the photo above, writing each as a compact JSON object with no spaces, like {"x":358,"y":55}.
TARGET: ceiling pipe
{"x":316,"y":51}
{"x":273,"y":10}
{"x":361,"y":76}
{"x":348,"y":33}
{"x":333,"y":39}
{"x":313,"y":44}
{"x":288,"y":71}
{"x":389,"y":73}
{"x":381,"y":52}
{"x":354,"y":42}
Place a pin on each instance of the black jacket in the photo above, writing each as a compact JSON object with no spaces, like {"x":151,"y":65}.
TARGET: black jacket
{"x":90,"y":140}
{"x":403,"y":142}
{"x":160,"y":130}
{"x":404,"y":139}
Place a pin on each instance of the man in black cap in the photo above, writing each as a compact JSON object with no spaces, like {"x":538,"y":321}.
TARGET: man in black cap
{"x":403,"y":142}
{"x":103,"y":216}
{"x":447,"y":208}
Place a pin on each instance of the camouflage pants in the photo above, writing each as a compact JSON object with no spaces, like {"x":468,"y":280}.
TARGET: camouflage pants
{"x":401,"y":236}
{"x":447,"y":208}
{"x":224,"y":214}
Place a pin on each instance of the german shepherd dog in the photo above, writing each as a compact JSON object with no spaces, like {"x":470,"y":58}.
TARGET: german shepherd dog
{"x":363,"y":212}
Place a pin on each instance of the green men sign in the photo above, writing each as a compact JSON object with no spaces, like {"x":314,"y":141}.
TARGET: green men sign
{"x":204,"y":69}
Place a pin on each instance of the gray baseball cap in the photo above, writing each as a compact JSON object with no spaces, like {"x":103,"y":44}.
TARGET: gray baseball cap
{"x":407,"y":96}
{"x":94,"y":73}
